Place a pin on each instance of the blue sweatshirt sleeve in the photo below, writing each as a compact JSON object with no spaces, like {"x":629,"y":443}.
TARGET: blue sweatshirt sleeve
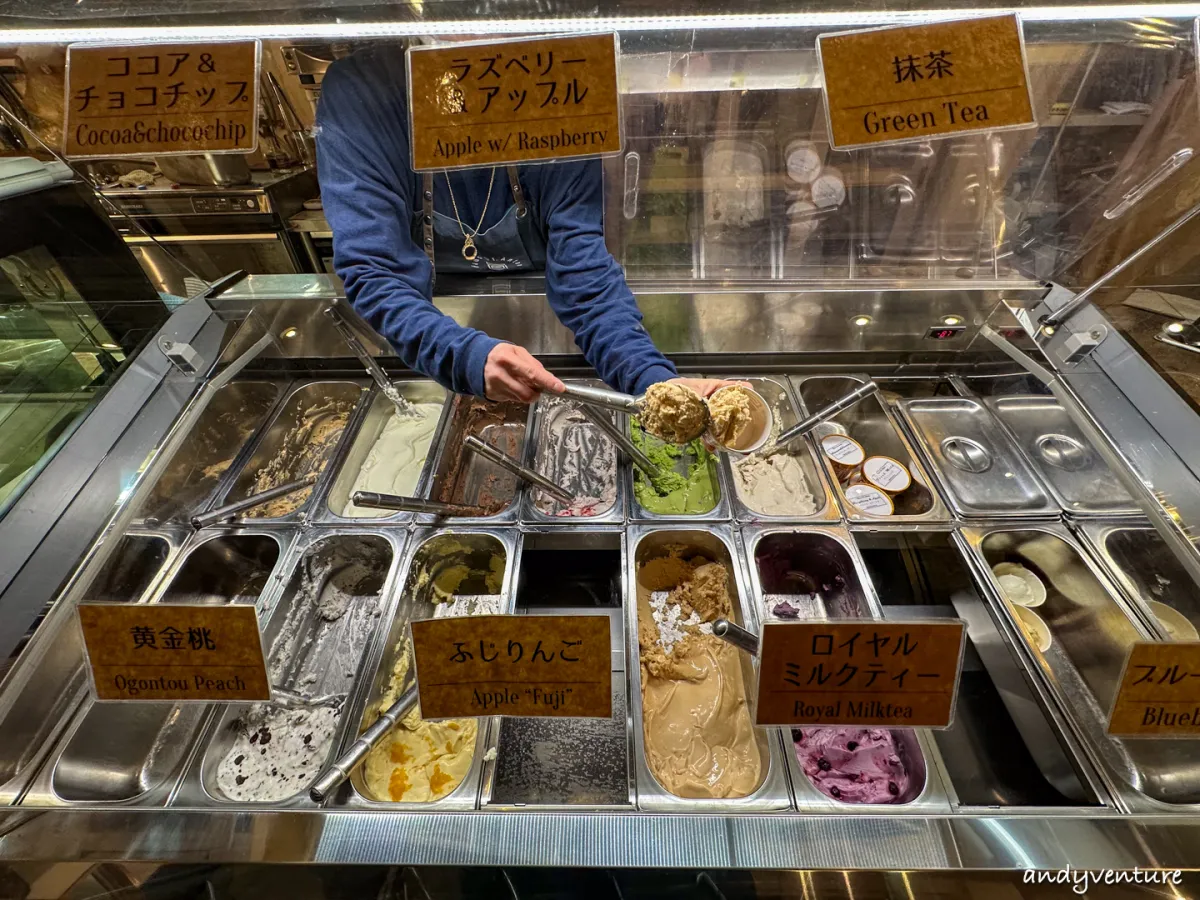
{"x":368,"y":191}
{"x":585,"y":285}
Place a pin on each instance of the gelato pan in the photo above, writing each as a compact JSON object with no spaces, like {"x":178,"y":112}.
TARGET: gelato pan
{"x":853,"y":765}
{"x":807,"y":575}
{"x":784,"y":483}
{"x":673,"y":493}
{"x":467,"y":479}
{"x":420,"y":761}
{"x":321,"y":628}
{"x":233,"y":414}
{"x":574,"y":453}
{"x":568,"y":762}
{"x":698,"y":736}
{"x":396,"y":458}
{"x":299,"y":442}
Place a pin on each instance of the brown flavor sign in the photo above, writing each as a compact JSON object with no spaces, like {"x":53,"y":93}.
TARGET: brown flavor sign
{"x":1159,"y":692}
{"x":558,"y":666}
{"x":859,"y":672}
{"x":171,"y":651}
{"x":483,"y":104}
{"x":889,"y":85}
{"x":158,"y":99}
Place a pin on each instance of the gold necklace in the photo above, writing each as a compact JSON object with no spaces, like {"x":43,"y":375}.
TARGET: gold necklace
{"x":469,"y":250}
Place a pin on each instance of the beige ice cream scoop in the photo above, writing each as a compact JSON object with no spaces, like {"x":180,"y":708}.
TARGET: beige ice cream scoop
{"x":675,"y":413}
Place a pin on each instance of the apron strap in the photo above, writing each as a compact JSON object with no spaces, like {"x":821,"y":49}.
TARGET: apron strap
{"x":427,"y":214}
{"x":517,"y":192}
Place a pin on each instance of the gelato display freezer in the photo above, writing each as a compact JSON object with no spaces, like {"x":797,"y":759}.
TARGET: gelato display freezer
{"x":1029,"y":466}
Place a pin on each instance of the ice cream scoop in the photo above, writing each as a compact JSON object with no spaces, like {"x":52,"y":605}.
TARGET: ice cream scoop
{"x":675,"y":413}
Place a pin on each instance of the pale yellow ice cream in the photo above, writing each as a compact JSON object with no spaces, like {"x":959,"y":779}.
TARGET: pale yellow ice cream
{"x":423,"y":761}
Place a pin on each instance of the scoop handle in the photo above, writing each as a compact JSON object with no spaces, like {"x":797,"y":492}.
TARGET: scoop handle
{"x":604,"y":398}
{"x":859,"y":393}
{"x":339,"y":770}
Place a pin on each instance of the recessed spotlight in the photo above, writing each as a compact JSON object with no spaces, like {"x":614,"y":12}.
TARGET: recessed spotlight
{"x":952,"y":320}
{"x":861,"y":321}
{"x":1176,"y":327}
{"x":290,"y":332}
{"x":111,"y":346}
{"x":1047,"y":330}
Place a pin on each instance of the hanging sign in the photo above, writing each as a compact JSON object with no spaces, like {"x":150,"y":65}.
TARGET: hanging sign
{"x":889,"y":85}
{"x":484,"y":104}
{"x":161,"y":99}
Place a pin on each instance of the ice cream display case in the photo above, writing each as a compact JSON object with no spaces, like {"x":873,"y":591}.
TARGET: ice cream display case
{"x":1017,"y":460}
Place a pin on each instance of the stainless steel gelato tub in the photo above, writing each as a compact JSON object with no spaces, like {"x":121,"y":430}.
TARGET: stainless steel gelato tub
{"x":445,"y":565}
{"x":317,"y":635}
{"x":1090,"y":633}
{"x":716,"y":545}
{"x":871,"y":424}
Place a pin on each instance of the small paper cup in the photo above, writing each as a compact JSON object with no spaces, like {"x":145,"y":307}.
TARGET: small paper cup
{"x":1027,"y":591}
{"x":1178,"y":626}
{"x":1037,"y":632}
{"x":756,"y":434}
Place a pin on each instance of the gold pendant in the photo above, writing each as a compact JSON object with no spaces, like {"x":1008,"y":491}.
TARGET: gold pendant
{"x":468,"y":251}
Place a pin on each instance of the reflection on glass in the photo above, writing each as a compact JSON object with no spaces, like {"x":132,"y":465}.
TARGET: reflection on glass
{"x":54,"y":353}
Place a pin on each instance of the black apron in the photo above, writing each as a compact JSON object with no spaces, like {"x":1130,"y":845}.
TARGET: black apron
{"x":515,"y":244}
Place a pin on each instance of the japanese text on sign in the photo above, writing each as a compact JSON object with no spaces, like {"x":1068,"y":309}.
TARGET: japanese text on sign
{"x":920,"y":81}
{"x":161,"y":98}
{"x":174,"y":652}
{"x":514,"y":666}
{"x":512,"y":101}
{"x":1159,"y":692}
{"x":859,"y":673}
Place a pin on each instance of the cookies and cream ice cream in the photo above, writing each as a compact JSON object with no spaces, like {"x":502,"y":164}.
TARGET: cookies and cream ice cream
{"x":395,"y":460}
{"x":854,"y":765}
{"x":673,"y":413}
{"x":277,"y":754}
{"x":699,"y":739}
{"x":331,"y":609}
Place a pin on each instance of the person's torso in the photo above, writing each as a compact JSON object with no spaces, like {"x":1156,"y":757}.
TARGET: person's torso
{"x":478,"y":227}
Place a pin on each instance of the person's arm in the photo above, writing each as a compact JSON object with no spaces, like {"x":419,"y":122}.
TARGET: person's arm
{"x":586,"y":286}
{"x":366,"y":191}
